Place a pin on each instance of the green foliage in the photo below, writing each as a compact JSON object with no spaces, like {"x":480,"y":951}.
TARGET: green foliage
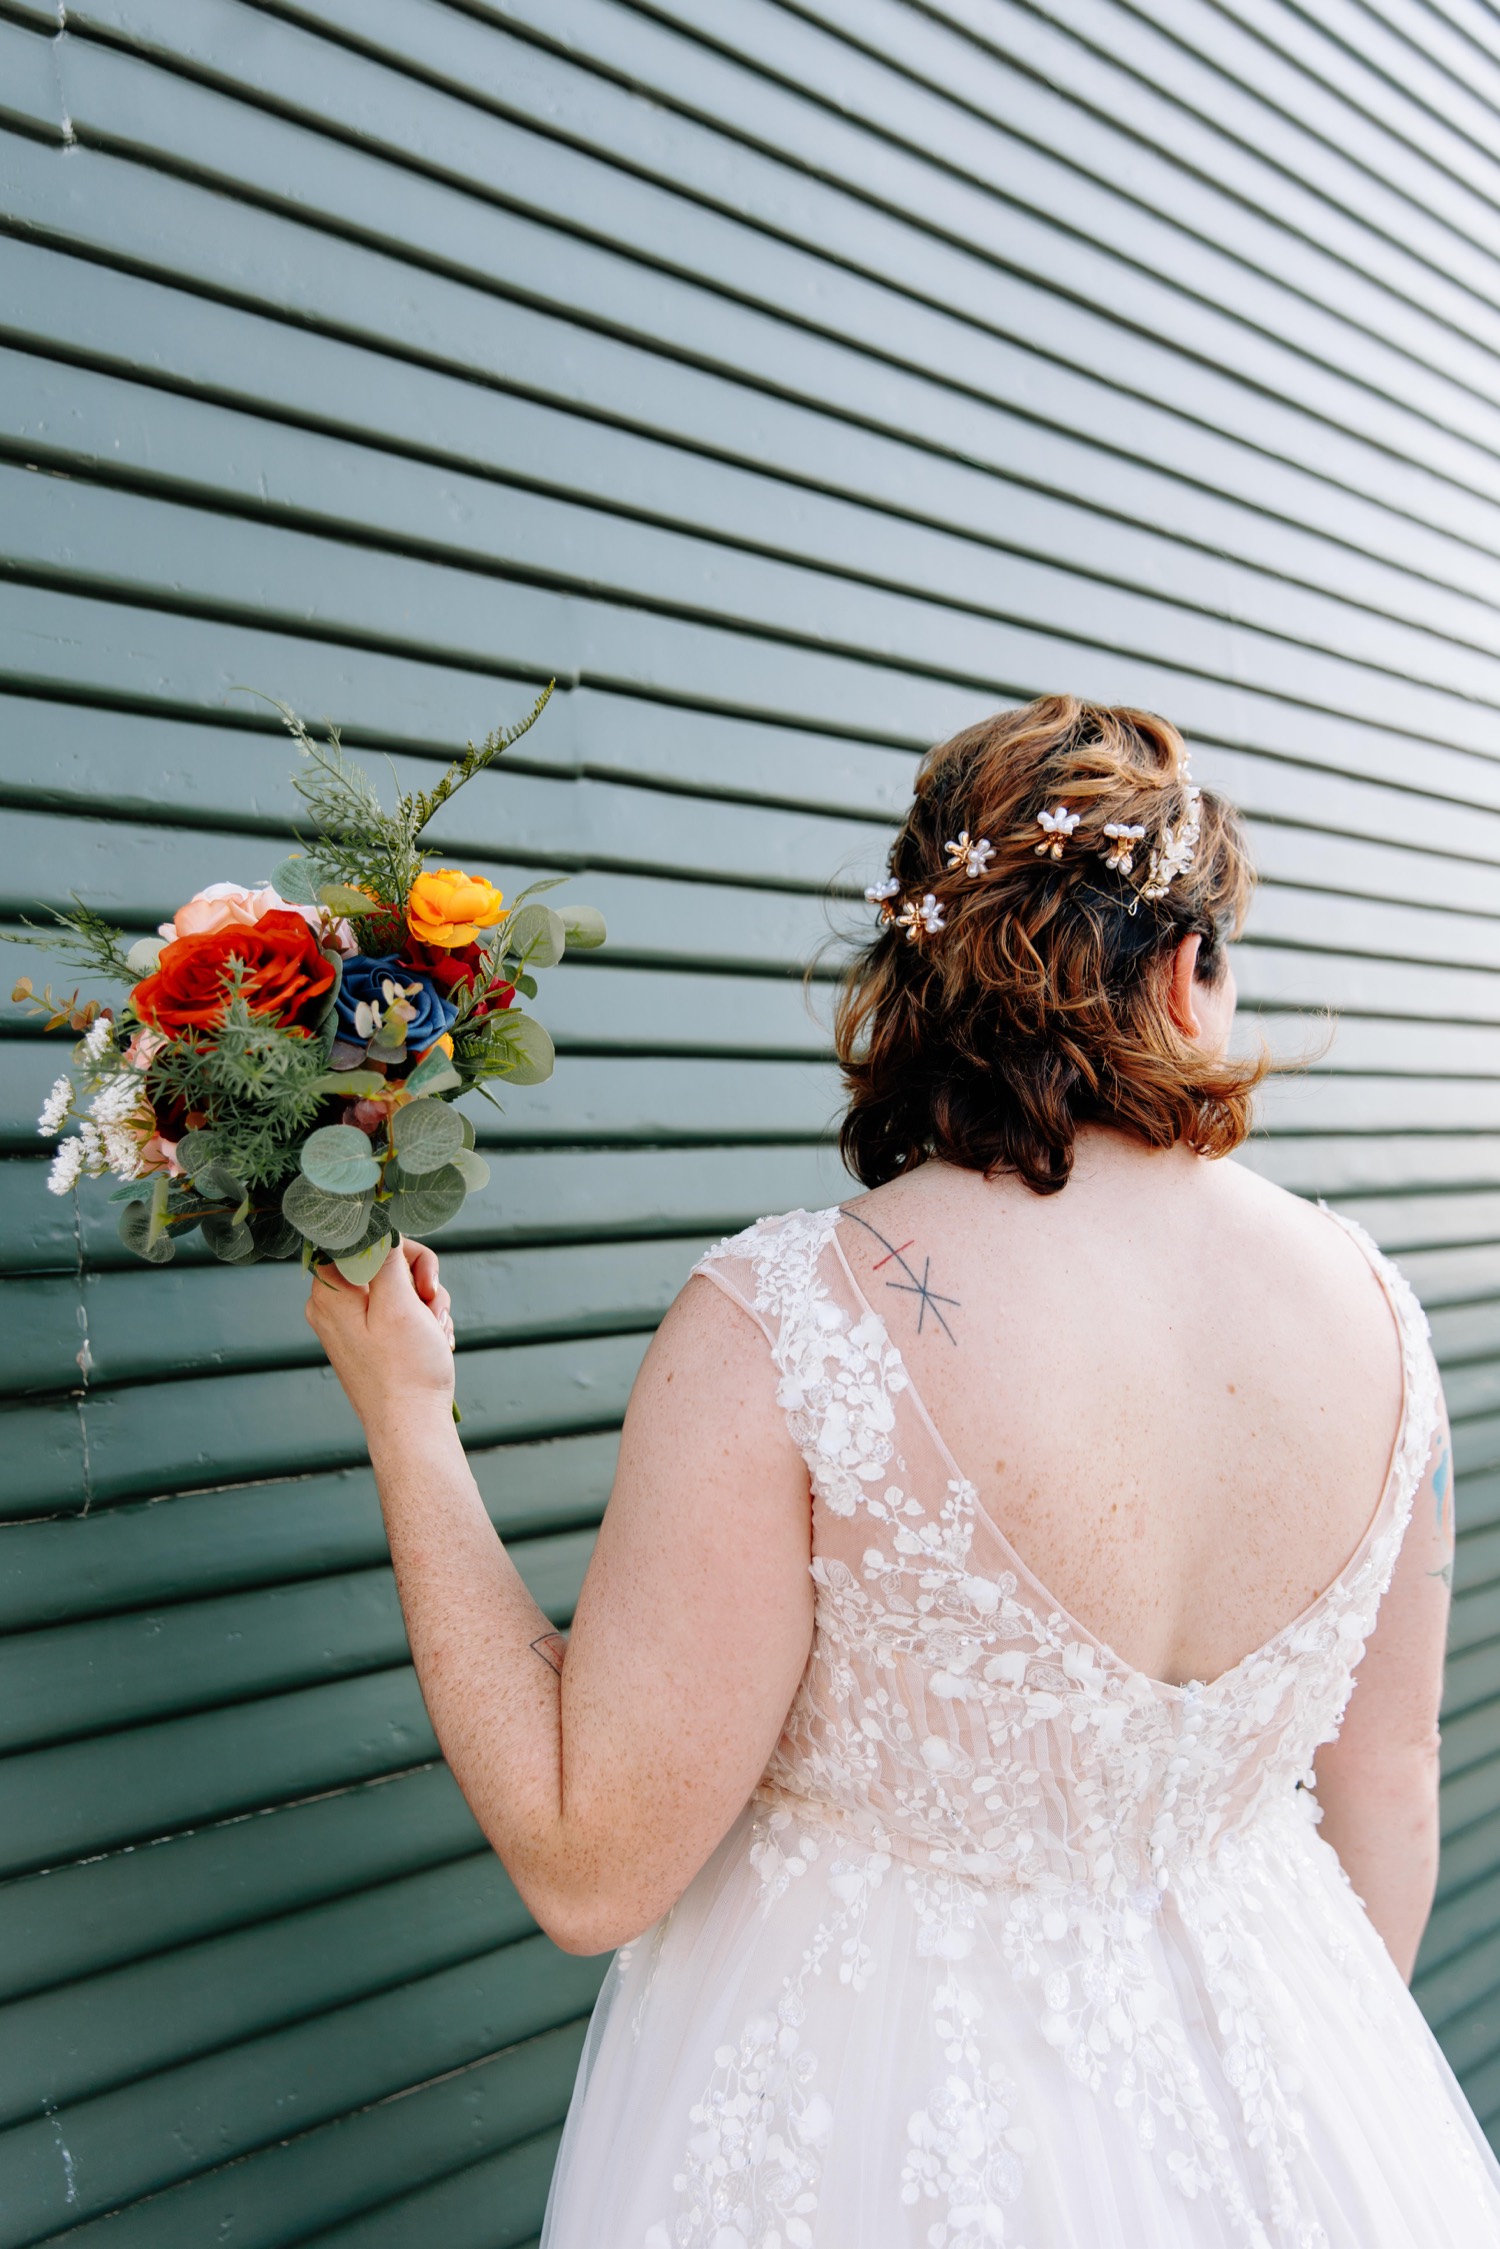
{"x":426,"y":1135}
{"x":359,"y":851}
{"x":82,"y":939}
{"x":510,"y":1045}
{"x":331,"y":1222}
{"x":340,"y":1159}
{"x":423,"y":1202}
{"x":362,"y":1265}
{"x":260,"y":1082}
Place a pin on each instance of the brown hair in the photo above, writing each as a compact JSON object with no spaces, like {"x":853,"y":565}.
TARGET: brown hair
{"x":1042,"y":1002}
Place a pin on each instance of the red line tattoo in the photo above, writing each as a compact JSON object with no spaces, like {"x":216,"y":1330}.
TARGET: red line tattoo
{"x":552,"y":1647}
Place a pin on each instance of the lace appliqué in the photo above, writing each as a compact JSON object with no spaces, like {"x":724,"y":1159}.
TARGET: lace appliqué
{"x":1042,"y":1793}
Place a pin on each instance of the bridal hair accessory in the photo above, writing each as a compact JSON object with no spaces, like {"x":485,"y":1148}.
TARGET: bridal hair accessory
{"x":1174,"y":854}
{"x":927,"y":918}
{"x":1123,"y":838}
{"x":1056,"y":827}
{"x":882,"y":894}
{"x":972,"y":857}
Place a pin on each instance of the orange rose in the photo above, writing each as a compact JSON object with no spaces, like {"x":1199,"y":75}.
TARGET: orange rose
{"x":285,"y":975}
{"x":446,"y":908}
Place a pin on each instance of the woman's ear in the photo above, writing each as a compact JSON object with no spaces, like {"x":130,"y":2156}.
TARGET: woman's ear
{"x":1181,"y":996}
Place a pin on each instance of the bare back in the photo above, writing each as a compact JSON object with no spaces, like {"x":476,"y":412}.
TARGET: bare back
{"x":1176,"y":1387}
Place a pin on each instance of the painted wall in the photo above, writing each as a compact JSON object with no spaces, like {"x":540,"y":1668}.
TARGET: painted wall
{"x":796,"y":383}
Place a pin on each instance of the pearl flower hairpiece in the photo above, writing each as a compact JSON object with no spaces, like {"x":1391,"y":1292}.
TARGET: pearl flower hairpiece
{"x":972,"y":857}
{"x":1123,"y":838}
{"x":881,"y":894}
{"x":926,"y":918}
{"x":1056,"y":827}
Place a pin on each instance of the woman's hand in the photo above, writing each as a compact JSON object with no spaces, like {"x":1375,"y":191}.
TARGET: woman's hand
{"x":391,"y":1343}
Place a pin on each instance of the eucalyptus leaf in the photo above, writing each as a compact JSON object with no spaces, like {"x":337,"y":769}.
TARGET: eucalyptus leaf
{"x":433,"y":1074}
{"x":194,"y":1151}
{"x":231,"y":1243}
{"x":217,"y":1185}
{"x":339,"y":1157}
{"x":133,"y":1191}
{"x":426,"y":1134}
{"x":526,"y":984}
{"x":135,"y":1230}
{"x":472,"y":1169}
{"x":536,"y":935}
{"x":468,"y":1126}
{"x":298,"y":879}
{"x":273,"y":1236}
{"x":422,"y":1203}
{"x":333,"y":1222}
{"x":585,"y":928}
{"x":144,"y":955}
{"x":519,"y":1049}
{"x":355,"y":1083}
{"x":543,"y":882}
{"x":156,"y":1223}
{"x":344,"y":1059}
{"x":362,"y":1265}
{"x":343,"y":898}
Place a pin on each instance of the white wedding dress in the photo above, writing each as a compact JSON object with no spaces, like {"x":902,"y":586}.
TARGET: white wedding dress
{"x":1012,"y":1944}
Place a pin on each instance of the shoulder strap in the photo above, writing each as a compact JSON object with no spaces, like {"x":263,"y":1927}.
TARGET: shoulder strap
{"x":1420,"y":1380}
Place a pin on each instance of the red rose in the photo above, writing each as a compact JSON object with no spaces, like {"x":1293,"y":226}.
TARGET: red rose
{"x":447,"y":969}
{"x":285,"y":975}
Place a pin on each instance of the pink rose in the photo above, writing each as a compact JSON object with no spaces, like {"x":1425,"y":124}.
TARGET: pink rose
{"x":228,"y":905}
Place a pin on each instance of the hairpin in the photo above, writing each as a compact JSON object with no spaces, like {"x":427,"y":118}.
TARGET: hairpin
{"x":972,"y":857}
{"x":927,"y":917}
{"x":1174,"y":854}
{"x":1123,"y":838}
{"x":881,"y":893}
{"x":1056,"y":828}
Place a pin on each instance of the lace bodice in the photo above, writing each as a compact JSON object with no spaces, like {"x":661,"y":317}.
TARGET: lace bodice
{"x":951,"y":1712}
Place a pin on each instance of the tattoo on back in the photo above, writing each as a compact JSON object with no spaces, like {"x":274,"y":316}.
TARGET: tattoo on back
{"x":552,"y":1647}
{"x":915,"y":1284}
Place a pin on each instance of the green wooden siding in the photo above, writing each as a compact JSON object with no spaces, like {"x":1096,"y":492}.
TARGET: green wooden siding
{"x":795,"y":381}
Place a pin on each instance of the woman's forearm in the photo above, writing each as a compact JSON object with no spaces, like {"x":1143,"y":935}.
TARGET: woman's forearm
{"x":1386,"y":1837}
{"x":487,"y":1659}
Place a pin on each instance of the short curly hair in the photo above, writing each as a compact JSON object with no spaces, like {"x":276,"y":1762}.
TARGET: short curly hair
{"x":1041,"y":1004}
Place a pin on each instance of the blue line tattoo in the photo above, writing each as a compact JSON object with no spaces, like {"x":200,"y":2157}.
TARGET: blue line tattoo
{"x":1440,"y":1486}
{"x":916,"y":1284}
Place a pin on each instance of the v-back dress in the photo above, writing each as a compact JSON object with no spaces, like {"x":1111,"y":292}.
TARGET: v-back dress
{"x":1014,"y":1945}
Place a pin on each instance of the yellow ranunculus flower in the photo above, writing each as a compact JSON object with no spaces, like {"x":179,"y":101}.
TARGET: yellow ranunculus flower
{"x":447,"y":908}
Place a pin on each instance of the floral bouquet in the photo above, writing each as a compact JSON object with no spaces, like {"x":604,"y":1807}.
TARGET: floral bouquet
{"x":280,"y":1078}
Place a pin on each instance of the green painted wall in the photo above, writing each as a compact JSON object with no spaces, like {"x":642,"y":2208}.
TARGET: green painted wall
{"x":796,"y":382}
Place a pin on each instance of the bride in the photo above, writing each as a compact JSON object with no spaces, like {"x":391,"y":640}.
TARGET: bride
{"x":956,"y":1734}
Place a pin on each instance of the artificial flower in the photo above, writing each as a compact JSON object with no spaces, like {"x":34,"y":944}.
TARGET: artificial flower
{"x":444,"y":907}
{"x":229,"y":905}
{"x":450,"y":967}
{"x":363,"y":1004}
{"x":285,"y":974}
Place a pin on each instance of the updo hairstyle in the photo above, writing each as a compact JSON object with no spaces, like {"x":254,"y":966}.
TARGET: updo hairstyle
{"x":1041,"y":1002}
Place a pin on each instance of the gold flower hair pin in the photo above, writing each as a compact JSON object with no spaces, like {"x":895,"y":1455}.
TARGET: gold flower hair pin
{"x":1122,"y":842}
{"x":925,"y":919}
{"x":972,"y":857}
{"x":1056,"y":827}
{"x":882,"y":894}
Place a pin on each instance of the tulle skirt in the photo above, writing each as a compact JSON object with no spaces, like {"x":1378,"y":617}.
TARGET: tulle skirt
{"x":825,"y":2047}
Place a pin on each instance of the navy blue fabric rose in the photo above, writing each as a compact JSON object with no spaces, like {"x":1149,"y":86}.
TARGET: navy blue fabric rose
{"x":363,"y":1006}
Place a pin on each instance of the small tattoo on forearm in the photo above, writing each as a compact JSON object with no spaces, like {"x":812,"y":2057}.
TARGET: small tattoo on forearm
{"x":552,"y":1647}
{"x":916,"y":1284}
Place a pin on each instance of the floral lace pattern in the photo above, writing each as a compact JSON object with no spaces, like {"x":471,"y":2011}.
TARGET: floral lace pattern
{"x":1038,"y":1799}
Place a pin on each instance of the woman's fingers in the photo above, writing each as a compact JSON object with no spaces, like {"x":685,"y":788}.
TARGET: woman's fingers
{"x":423,"y":1266}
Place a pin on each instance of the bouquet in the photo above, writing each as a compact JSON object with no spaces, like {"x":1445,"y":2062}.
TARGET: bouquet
{"x":280,"y":1078}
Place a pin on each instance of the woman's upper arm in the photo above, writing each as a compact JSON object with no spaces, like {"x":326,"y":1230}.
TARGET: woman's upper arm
{"x":1390,"y":1726}
{"x":695,"y":1618}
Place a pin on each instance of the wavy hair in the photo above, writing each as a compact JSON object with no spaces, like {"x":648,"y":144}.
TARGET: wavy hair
{"x":1042,"y":1003}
